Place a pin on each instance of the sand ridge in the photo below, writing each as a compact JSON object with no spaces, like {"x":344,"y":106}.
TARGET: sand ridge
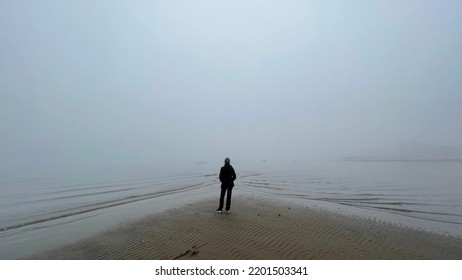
{"x":258,"y":229}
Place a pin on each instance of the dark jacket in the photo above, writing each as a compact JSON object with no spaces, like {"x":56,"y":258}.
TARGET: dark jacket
{"x":227,"y":176}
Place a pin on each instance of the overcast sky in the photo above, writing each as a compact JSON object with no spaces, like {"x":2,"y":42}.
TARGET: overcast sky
{"x":183,"y":81}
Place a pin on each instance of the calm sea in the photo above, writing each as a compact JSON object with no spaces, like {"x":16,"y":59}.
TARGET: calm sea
{"x":42,"y":212}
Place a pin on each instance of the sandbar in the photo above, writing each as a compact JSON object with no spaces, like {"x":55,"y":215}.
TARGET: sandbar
{"x":258,"y":230}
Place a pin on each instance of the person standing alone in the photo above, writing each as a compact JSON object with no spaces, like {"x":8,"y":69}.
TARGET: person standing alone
{"x":227,"y":177}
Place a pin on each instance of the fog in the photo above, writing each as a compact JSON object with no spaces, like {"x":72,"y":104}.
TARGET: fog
{"x":171,"y":82}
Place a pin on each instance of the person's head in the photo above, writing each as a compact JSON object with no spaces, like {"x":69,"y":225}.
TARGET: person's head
{"x":227,"y":161}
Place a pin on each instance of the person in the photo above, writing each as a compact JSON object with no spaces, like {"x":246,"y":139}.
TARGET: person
{"x":227,"y":177}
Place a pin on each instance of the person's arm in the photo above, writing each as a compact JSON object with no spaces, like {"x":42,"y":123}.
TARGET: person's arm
{"x":234,"y":175}
{"x":221,"y":175}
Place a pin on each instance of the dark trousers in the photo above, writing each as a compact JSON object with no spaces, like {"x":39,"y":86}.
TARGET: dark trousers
{"x":225,"y":190}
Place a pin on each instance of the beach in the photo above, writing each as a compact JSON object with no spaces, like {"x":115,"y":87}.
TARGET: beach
{"x":258,"y":229}
{"x":345,"y":203}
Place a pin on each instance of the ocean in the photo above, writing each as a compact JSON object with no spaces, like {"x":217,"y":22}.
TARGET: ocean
{"x":43,"y":212}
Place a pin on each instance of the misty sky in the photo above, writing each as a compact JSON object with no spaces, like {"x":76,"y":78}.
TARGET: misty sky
{"x":184,"y":81}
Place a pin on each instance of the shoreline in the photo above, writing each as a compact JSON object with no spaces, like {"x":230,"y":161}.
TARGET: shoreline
{"x":257,"y":229}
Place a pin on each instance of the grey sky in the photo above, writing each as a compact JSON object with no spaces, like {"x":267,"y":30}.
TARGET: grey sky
{"x":185,"y":81}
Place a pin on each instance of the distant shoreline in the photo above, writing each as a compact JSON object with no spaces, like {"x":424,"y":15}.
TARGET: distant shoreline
{"x":401,"y":160}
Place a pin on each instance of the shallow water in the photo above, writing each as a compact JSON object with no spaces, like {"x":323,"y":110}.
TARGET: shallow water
{"x":424,"y":195}
{"x":38,"y":213}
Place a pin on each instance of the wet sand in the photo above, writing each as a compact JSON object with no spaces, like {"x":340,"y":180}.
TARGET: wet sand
{"x":258,"y":229}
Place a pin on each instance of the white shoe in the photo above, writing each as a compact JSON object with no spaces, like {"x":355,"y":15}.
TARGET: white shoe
{"x":228,"y":211}
{"x":219,"y":211}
